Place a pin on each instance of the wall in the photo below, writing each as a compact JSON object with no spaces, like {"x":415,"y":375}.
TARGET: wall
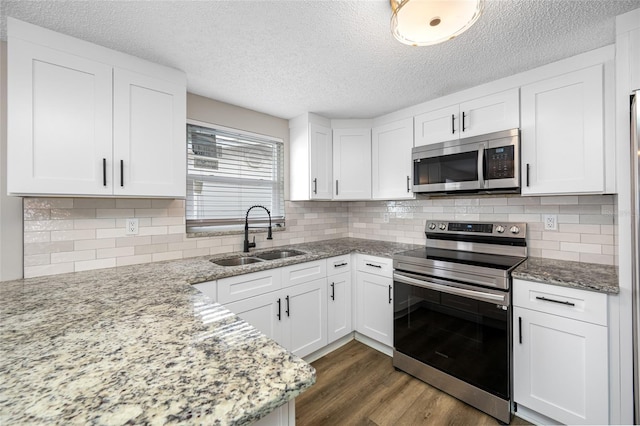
{"x":586,"y":230}
{"x":10,"y":207}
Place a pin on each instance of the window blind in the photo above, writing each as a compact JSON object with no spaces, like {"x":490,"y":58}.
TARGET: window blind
{"x":228,"y":172}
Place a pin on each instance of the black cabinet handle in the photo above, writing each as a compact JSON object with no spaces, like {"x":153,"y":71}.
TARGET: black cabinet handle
{"x":279,"y":312}
{"x":527,"y":174}
{"x":336,"y":186}
{"x":315,"y":185}
{"x":453,"y":125}
{"x":520,"y":329}
{"x":337,"y":265}
{"x":562,"y":302}
{"x":463,"y":117}
{"x":375,"y":266}
{"x":287,"y":310}
{"x":104,"y":172}
{"x":333,"y":291}
{"x":121,"y":172}
{"x":390,"y":289}
{"x":408,"y":183}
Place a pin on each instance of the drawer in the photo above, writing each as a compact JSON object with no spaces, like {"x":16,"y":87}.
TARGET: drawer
{"x":248,"y":285}
{"x":303,"y":272}
{"x":375,"y":265}
{"x":338,"y":264}
{"x":582,"y":305}
{"x":208,"y":288}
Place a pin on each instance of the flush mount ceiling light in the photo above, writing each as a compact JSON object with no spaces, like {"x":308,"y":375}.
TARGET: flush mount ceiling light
{"x":427,"y":22}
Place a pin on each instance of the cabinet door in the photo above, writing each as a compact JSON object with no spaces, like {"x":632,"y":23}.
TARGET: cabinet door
{"x":305,"y":306}
{"x":488,"y":114}
{"x":560,"y":367}
{"x":352,"y":164}
{"x":562,"y":134}
{"x":374,"y":313}
{"x":437,"y":126}
{"x":321,"y":162}
{"x":59,"y":122}
{"x":264,"y":312}
{"x":339,"y":306}
{"x":391,"y":160}
{"x":149,"y":150}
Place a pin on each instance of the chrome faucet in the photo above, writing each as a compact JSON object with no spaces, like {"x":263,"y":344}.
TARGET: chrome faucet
{"x":247,"y":244}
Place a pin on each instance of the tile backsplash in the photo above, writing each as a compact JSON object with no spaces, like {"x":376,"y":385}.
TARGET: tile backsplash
{"x":75,"y":234}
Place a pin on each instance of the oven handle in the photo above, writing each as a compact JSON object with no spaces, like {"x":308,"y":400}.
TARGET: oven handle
{"x":480,"y":295}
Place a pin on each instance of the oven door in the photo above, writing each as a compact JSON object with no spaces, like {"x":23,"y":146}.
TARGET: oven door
{"x":459,"y":329}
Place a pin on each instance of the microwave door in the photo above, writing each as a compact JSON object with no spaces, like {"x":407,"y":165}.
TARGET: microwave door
{"x":448,"y":172}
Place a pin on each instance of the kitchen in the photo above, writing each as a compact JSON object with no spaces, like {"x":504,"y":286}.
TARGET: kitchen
{"x":58,"y":237}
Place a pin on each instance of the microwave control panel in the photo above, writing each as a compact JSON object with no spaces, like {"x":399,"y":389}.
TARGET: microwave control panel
{"x":500,"y":162}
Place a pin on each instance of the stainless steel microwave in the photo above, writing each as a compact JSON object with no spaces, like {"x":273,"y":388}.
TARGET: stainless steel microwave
{"x":487,"y":163}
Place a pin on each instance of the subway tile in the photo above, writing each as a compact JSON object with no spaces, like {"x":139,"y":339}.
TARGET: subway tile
{"x":608,"y":229}
{"x":37,"y":237}
{"x":152,"y":230}
{"x":86,"y":265}
{"x":597,"y":239}
{"x":50,"y":247}
{"x":162,"y":221}
{"x":47,"y":225}
{"x":133,"y":203}
{"x":94,"y":223}
{"x":44,"y":270}
{"x":94,"y":203}
{"x":116,"y":252}
{"x":579,"y":228}
{"x":94,"y":244}
{"x":596,"y":219}
{"x":581,"y":247}
{"x":596,"y":199}
{"x":184,"y":245}
{"x":560,"y":255}
{"x":568,"y":218}
{"x":30,"y":214}
{"x":151,"y":213}
{"x":170,"y":255}
{"x":522,"y":201}
{"x":170,"y":238}
{"x":516,"y":217}
{"x":133,"y":260}
{"x":508,"y":209}
{"x":167,"y":204}
{"x":559,"y":200}
{"x":176,"y":229}
{"x":542,"y":244}
{"x":37,"y":259}
{"x":47,"y":203}
{"x":110,"y":233}
{"x":73,"y":256}
{"x":114,"y":213}
{"x":73,"y":213}
{"x":561,"y":236}
{"x":581,"y":209}
{"x":79,"y":234}
{"x":195,"y":252}
{"x":603,"y":259}
{"x":545,"y":209}
{"x":132,"y":241}
{"x":150,"y":249}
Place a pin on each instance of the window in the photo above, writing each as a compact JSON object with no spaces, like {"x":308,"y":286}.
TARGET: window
{"x":229,"y":171}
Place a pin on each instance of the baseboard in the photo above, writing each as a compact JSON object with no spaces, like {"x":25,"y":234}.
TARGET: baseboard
{"x":534,"y":417}
{"x":328,"y":349}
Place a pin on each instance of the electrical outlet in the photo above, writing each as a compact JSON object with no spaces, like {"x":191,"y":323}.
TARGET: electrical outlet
{"x":131,"y":226}
{"x":385,"y":217}
{"x":550,"y":222}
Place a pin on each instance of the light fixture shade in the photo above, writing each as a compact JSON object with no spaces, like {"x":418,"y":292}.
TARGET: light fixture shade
{"x":427,"y":22}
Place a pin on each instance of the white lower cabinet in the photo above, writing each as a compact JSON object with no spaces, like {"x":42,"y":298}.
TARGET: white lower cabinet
{"x":305,"y":325}
{"x":374,"y":299}
{"x":560,"y":358}
{"x":264,"y":312}
{"x":285,"y":415}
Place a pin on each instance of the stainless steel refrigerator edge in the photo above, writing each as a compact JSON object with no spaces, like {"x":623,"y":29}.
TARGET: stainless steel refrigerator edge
{"x":635,"y":223}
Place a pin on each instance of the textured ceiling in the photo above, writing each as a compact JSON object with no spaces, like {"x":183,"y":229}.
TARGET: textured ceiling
{"x":335,"y":58}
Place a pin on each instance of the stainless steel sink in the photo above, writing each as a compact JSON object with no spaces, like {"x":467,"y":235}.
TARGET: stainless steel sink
{"x":236,"y":261}
{"x":279,"y":254}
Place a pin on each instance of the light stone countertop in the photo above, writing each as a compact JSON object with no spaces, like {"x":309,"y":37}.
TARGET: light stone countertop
{"x":584,"y":276}
{"x":139,"y":345}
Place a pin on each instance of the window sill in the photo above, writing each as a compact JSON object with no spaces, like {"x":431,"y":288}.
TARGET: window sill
{"x":230,"y":230}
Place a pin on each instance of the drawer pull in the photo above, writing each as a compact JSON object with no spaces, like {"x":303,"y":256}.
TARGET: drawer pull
{"x":390,"y":290}
{"x":374,"y":266}
{"x":337,"y":265}
{"x":287,"y":310}
{"x":279,"y":312}
{"x":520,"y":329}
{"x":333,"y":291}
{"x":544,"y":299}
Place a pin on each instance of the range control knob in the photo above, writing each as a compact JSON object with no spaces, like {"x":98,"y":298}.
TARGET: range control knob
{"x":443,"y":226}
{"x":514,"y":230}
{"x":432,"y":226}
{"x":499,"y":229}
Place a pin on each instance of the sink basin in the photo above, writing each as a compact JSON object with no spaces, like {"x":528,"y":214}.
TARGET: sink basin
{"x":279,"y":254}
{"x":236,"y":261}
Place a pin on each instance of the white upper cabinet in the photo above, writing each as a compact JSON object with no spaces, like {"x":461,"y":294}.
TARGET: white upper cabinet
{"x":391,"y":160}
{"x":311,"y":158}
{"x":77,"y":112}
{"x":562,"y":134}
{"x":148,"y":126}
{"x":352,"y":164}
{"x":59,"y":117}
{"x":492,"y":113}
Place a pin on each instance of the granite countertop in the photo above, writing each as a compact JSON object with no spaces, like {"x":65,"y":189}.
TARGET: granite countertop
{"x":138,"y":344}
{"x":585,"y":276}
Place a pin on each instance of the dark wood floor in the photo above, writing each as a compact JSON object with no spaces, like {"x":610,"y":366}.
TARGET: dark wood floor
{"x":357,"y":385}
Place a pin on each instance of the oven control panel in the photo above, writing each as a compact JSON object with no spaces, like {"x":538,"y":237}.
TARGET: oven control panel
{"x":504,"y":229}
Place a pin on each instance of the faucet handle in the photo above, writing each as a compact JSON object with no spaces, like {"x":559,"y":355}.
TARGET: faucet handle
{"x":253,"y":244}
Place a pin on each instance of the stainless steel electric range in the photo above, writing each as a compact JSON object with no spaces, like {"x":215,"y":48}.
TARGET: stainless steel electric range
{"x":452,"y":310}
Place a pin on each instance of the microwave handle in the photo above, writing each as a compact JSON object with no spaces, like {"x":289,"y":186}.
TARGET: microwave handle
{"x":481,"y":149}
